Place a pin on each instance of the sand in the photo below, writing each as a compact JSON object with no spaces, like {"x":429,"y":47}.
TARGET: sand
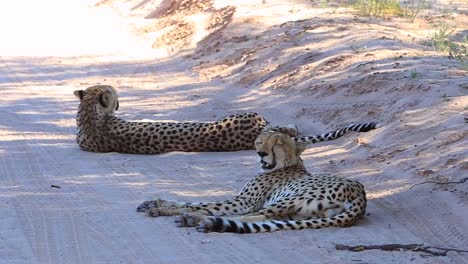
{"x":323,"y":71}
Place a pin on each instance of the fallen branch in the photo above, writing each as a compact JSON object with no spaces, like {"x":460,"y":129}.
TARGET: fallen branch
{"x":295,"y":21}
{"x":363,"y":64}
{"x":435,"y":251}
{"x":453,"y":182}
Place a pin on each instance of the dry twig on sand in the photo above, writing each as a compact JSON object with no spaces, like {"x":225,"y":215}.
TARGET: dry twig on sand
{"x":294,"y":22}
{"x":435,"y":251}
{"x":449,"y":182}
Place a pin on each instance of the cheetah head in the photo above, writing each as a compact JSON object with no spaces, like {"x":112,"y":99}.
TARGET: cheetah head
{"x":277,"y":150}
{"x":104,"y":97}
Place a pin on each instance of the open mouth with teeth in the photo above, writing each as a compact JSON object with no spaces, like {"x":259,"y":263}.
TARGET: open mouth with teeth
{"x":267,"y":166}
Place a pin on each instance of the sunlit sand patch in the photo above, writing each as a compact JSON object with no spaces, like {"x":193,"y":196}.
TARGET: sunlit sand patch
{"x":100,"y":31}
{"x":65,"y":123}
{"x":204,"y":193}
{"x":387,"y":192}
{"x":10,"y":135}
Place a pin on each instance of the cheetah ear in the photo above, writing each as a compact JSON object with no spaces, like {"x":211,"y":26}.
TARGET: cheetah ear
{"x":300,"y":147}
{"x":105,"y":98}
{"x":279,"y":140}
{"x":79,"y":94}
{"x":117,"y":105}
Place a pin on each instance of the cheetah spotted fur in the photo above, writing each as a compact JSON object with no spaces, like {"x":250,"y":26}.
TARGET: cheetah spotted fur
{"x":285,"y":196}
{"x":100,"y":131}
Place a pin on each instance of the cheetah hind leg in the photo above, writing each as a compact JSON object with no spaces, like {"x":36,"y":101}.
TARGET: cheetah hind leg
{"x":290,"y":129}
{"x":193,"y":219}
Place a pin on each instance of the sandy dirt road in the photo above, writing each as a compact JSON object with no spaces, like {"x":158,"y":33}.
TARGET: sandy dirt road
{"x":92,"y":218}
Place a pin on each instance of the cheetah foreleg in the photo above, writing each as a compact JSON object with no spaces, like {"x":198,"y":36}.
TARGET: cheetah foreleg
{"x":159,"y":203}
{"x":167,"y":208}
{"x":168,"y":211}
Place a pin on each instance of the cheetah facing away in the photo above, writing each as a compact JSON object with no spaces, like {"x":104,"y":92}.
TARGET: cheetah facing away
{"x":284,"y":196}
{"x":100,"y":131}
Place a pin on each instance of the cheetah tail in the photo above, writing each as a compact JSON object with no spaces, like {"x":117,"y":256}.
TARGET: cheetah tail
{"x":346,"y":218}
{"x":365,"y":127}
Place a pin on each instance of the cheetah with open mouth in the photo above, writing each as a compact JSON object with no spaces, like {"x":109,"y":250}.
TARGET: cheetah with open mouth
{"x":284,"y":196}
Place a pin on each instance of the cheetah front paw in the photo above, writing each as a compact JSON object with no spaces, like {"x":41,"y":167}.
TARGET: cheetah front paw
{"x":147,"y":205}
{"x":189,"y":220}
{"x":155,"y":212}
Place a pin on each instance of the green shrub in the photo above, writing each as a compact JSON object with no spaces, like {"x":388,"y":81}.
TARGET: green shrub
{"x":442,"y":41}
{"x":404,"y":8}
{"x":411,"y":8}
{"x":377,"y":8}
